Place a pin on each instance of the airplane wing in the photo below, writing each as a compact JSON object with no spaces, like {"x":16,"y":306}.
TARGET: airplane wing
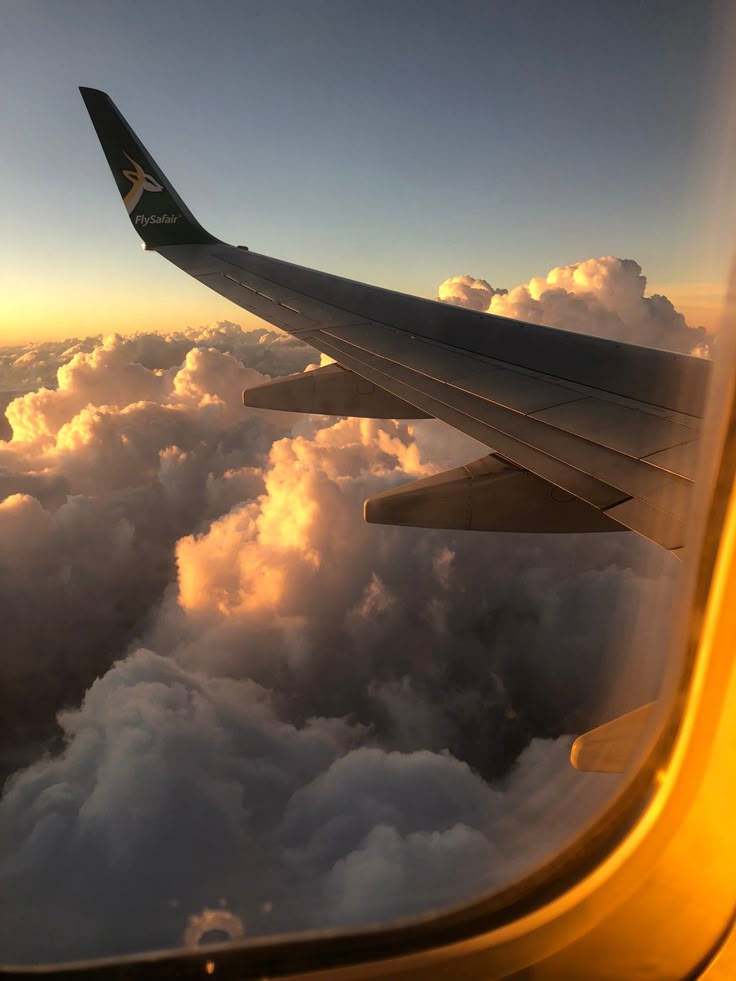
{"x":587,"y":434}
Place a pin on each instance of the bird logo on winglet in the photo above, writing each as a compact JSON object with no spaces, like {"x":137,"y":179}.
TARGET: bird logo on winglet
{"x":140,"y":181}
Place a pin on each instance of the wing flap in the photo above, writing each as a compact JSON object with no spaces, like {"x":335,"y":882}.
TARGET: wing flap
{"x":681,"y":459}
{"x":630,"y":431}
{"x":520,"y":391}
{"x":665,"y":529}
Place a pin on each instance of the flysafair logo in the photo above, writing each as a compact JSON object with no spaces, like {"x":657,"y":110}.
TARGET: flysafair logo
{"x":156,"y":220}
{"x":140,"y":181}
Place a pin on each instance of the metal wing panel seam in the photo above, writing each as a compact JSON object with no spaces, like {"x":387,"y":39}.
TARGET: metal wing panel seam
{"x":641,"y":479}
{"x":648,"y":521}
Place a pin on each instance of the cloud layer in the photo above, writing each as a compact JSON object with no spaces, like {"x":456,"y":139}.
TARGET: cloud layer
{"x":604,"y":296}
{"x":235,"y":709}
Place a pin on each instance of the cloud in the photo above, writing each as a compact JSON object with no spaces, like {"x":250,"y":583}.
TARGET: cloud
{"x":603,"y":296}
{"x":229,"y":701}
{"x":113,"y":466}
{"x":169,"y":781}
{"x":464,"y":291}
{"x":458,"y":837}
{"x":179,"y":792}
{"x":34,"y":365}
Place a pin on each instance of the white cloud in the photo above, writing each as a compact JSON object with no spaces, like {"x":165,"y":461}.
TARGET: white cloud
{"x":179,"y":792}
{"x":263,"y":699}
{"x":604,"y":297}
{"x":464,"y":291}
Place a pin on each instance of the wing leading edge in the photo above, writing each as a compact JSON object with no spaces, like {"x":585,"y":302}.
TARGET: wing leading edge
{"x":611,"y":427}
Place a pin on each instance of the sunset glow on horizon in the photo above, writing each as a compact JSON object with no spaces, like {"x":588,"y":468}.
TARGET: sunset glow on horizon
{"x":34,"y":318}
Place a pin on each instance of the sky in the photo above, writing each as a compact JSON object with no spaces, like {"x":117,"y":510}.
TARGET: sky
{"x":394,"y":143}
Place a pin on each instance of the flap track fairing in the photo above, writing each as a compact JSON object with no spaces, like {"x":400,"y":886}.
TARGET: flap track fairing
{"x":331,"y":391}
{"x":486,"y":495}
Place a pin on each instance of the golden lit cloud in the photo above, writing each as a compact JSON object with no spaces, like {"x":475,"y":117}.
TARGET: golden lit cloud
{"x":604,"y":296}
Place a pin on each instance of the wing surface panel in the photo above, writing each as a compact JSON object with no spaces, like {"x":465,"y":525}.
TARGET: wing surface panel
{"x":593,"y":491}
{"x":681,"y":459}
{"x":659,"y":526}
{"x":630,"y":431}
{"x":636,"y":478}
{"x":663,"y":496}
{"x":634,"y":432}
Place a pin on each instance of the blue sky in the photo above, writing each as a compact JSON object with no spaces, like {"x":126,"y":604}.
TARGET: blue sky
{"x":394,"y":142}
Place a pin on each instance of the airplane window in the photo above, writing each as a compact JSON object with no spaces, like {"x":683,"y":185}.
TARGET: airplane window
{"x":329,"y":607}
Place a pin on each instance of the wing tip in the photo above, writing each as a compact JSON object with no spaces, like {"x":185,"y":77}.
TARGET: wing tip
{"x":155,"y":210}
{"x":90,"y":94}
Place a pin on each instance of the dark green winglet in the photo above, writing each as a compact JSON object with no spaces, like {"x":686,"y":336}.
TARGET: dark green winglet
{"x":157,"y":212}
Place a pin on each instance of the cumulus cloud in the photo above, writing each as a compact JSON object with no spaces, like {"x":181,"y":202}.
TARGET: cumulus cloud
{"x":177,"y":788}
{"x":604,"y":296}
{"x":168,"y":781}
{"x":464,"y":291}
{"x":232,"y":706}
{"x":105,"y":471}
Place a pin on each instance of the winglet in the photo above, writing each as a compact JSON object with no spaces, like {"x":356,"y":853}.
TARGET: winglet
{"x":156,"y":211}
